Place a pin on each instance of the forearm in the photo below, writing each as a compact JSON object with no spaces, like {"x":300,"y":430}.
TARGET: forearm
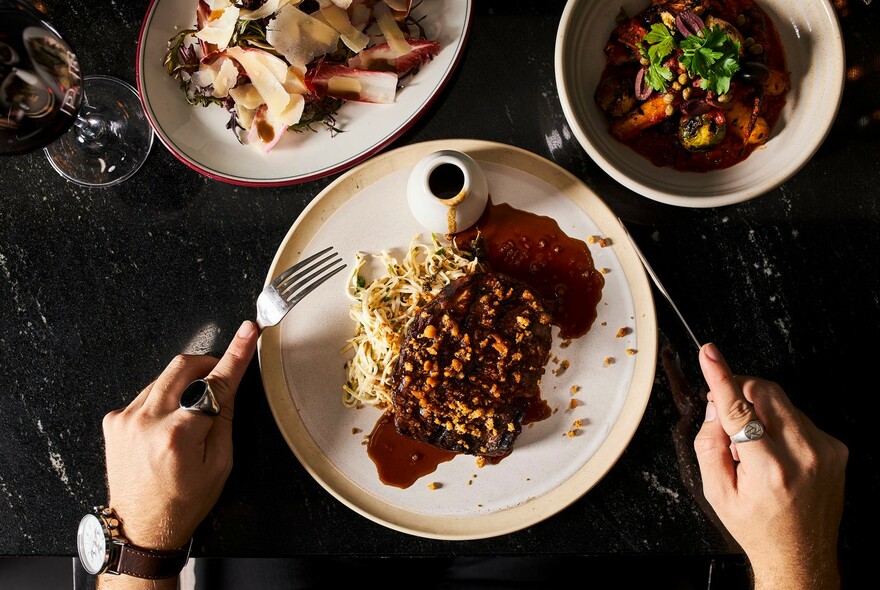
{"x":122,"y":582}
{"x":803,"y":572}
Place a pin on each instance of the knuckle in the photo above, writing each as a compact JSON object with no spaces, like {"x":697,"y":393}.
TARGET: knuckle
{"x":174,"y":434}
{"x":179,"y":362}
{"x":739,"y":411}
{"x":712,"y":494}
{"x":778,"y":477}
{"x":109,"y":420}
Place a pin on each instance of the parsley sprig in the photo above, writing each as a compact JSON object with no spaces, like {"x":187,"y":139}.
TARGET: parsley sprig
{"x":712,"y":56}
{"x":661,"y":44}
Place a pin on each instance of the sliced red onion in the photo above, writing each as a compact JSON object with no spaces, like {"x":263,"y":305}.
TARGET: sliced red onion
{"x":643,"y":91}
{"x":689,"y":23}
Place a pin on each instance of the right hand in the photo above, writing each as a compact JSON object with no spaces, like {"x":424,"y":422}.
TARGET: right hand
{"x":166,"y":467}
{"x":781,"y":497}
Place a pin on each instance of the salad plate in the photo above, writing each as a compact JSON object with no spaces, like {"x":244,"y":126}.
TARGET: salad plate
{"x":198,"y":135}
{"x":597,"y":386}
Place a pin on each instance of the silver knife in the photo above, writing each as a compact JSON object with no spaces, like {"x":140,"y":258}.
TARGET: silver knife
{"x":659,"y":285}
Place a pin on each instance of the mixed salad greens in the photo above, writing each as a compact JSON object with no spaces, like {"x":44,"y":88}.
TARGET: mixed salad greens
{"x":279,"y":65}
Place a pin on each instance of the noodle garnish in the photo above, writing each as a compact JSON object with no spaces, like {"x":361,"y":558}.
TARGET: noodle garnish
{"x":382,"y":310}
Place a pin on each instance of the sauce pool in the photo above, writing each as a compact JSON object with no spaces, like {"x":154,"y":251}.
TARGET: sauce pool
{"x":401,"y":461}
{"x":534,"y":249}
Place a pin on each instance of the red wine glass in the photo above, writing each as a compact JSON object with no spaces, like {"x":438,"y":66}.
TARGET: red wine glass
{"x":92,"y":128}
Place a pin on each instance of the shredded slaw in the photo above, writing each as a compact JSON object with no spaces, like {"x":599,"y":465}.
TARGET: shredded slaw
{"x":383,"y":308}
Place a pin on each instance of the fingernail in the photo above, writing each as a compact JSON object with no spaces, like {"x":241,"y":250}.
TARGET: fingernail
{"x":711,"y":412}
{"x":712,"y":352}
{"x":246,"y":329}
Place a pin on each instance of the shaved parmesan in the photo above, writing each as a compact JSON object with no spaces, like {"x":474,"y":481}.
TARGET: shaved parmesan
{"x":295,"y":81}
{"x":219,"y":30}
{"x":401,"y":5}
{"x":203,"y":78}
{"x":244,"y":114}
{"x":268,"y":128}
{"x":343,"y":4}
{"x":393,"y":35}
{"x":360,"y":15}
{"x":262,"y":69}
{"x":216,"y":5}
{"x":247,"y":96}
{"x":293,"y":113}
{"x":338,"y":19}
{"x":299,"y":37}
{"x":344,"y":86}
{"x":267,"y":9}
{"x":226,"y":77}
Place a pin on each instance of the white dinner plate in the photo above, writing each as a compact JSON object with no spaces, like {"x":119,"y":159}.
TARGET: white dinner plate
{"x":303,"y":370}
{"x":198,"y":136}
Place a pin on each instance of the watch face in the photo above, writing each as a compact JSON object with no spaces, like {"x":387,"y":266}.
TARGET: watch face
{"x":91,"y":544}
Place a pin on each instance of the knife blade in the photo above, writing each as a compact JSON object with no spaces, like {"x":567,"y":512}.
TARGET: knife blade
{"x":659,"y":284}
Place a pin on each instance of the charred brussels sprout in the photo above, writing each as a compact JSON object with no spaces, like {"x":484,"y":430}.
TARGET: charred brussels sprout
{"x":701,"y":132}
{"x":616,"y":96}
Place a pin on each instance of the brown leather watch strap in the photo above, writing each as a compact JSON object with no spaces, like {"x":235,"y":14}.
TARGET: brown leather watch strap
{"x":150,"y":564}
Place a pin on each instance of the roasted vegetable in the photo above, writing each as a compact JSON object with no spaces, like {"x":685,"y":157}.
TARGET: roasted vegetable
{"x":700,"y":132}
{"x":616,"y":96}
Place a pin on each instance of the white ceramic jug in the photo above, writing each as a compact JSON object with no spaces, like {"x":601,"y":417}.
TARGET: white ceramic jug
{"x":447,"y":191}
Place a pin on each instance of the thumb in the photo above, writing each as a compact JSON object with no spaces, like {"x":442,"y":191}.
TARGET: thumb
{"x":717,"y":467}
{"x":226,"y":376}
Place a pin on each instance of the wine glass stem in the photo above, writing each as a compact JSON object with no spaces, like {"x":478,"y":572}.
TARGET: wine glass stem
{"x":90,"y":125}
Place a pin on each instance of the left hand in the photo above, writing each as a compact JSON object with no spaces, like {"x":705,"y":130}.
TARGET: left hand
{"x":166,"y":467}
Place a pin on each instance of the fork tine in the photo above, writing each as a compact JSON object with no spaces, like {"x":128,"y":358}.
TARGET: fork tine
{"x":283,"y":276}
{"x":300,"y":278}
{"x":311,"y":286}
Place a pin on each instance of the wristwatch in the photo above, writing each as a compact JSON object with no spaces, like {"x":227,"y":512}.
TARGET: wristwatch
{"x":103,"y":549}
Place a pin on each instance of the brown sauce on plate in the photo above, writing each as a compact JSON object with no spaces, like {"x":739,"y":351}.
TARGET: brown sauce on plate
{"x":401,"y":461}
{"x":534,"y":249}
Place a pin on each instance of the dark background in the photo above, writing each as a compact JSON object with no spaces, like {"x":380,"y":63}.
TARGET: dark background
{"x":100,"y":288}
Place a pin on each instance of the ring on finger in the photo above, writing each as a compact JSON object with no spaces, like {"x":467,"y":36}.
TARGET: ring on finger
{"x":198,"y":398}
{"x":754,"y":430}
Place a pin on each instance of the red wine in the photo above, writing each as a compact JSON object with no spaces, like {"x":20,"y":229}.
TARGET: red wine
{"x":40,"y":81}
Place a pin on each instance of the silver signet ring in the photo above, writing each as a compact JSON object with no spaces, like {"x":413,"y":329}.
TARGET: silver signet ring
{"x":198,"y":397}
{"x":751,"y":431}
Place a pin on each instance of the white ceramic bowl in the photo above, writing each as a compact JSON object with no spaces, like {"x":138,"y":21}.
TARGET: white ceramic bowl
{"x":814,"y":52}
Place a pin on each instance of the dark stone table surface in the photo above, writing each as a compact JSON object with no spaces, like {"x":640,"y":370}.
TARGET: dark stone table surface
{"x":100,"y":288}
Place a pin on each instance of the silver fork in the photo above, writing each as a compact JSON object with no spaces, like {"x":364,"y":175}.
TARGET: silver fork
{"x":291,"y":286}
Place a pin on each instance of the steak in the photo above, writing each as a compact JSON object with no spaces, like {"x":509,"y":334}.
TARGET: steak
{"x":470,"y":365}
